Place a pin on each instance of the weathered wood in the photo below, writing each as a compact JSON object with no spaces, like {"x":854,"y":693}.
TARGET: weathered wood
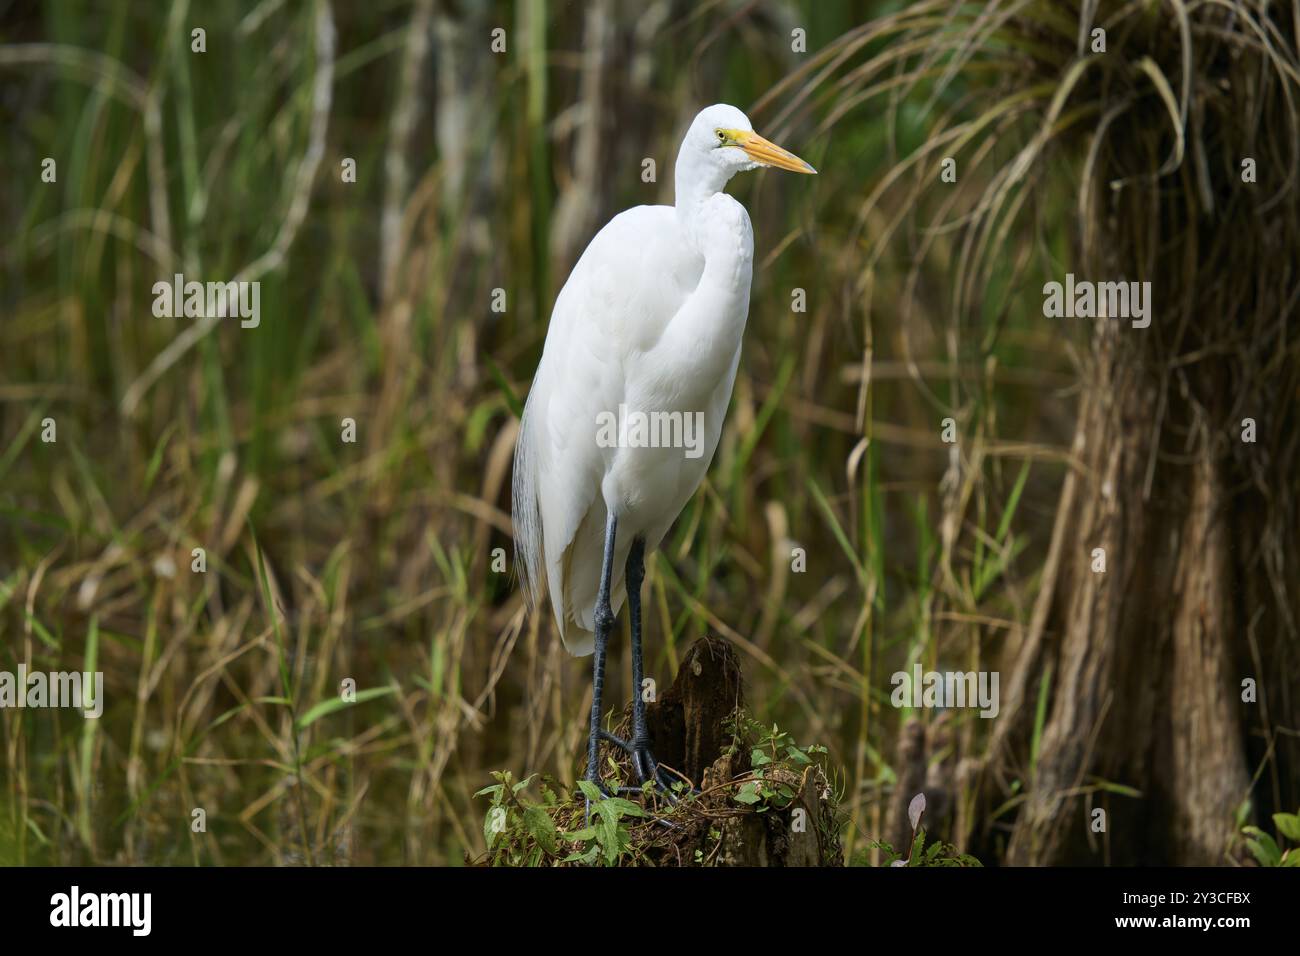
{"x":692,"y":731}
{"x":688,"y":724}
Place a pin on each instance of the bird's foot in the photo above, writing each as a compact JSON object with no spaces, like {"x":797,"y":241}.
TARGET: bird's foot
{"x":607,"y":791}
{"x":616,"y":740}
{"x":647,"y":768}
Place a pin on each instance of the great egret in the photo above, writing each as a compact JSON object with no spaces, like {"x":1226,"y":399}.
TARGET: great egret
{"x":649,"y":323}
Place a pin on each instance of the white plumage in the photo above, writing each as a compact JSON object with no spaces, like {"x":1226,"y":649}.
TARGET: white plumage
{"x":650,"y":319}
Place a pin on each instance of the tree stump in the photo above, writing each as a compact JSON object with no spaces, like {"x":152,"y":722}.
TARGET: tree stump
{"x":689,"y":723}
{"x":750,"y":795}
{"x":698,"y":729}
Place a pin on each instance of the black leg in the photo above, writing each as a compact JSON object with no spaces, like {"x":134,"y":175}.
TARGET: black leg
{"x":604,"y":621}
{"x":643,"y":760}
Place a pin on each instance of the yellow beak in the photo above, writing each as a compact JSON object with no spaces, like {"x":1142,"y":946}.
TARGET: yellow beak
{"x":767,"y":153}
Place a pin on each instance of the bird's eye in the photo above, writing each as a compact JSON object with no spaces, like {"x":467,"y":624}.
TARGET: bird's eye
{"x":722,"y":137}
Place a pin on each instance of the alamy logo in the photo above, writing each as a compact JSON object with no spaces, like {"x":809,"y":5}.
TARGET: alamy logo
{"x":103,"y":909}
{"x":1093,"y":300}
{"x":56,"y":689}
{"x":633,"y":429}
{"x":212,"y":300}
{"x":948,"y":689}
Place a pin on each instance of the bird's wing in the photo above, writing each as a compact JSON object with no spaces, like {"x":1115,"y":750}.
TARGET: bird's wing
{"x":622,"y":293}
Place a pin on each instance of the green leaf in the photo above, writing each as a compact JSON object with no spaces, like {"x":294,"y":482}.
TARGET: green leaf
{"x":1243,"y":813}
{"x":918,"y":847}
{"x":624,"y":808}
{"x":748,"y":794}
{"x":338,"y":703}
{"x":155,"y":460}
{"x":607,"y":836}
{"x":1262,"y":853}
{"x":541,"y":828}
{"x":48,"y":639}
{"x":508,"y":393}
{"x":1005,"y":524}
{"x":605,"y":813}
{"x":1288,"y":824}
{"x":837,"y":530}
{"x":797,"y":755}
{"x":587,"y":856}
{"x":490,"y":831}
{"x":476,"y":425}
{"x":1263,"y":847}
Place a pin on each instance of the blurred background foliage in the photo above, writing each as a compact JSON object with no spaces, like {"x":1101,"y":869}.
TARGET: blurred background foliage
{"x":479,"y":170}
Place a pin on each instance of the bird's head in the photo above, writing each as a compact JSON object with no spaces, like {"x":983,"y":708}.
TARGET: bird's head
{"x":722,"y":136}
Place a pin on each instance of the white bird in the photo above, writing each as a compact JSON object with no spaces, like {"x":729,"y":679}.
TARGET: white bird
{"x":649,"y":323}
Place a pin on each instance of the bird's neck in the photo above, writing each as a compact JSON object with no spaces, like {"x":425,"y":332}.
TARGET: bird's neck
{"x":694,"y":182}
{"x":704,"y":335}
{"x":707,"y":329}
